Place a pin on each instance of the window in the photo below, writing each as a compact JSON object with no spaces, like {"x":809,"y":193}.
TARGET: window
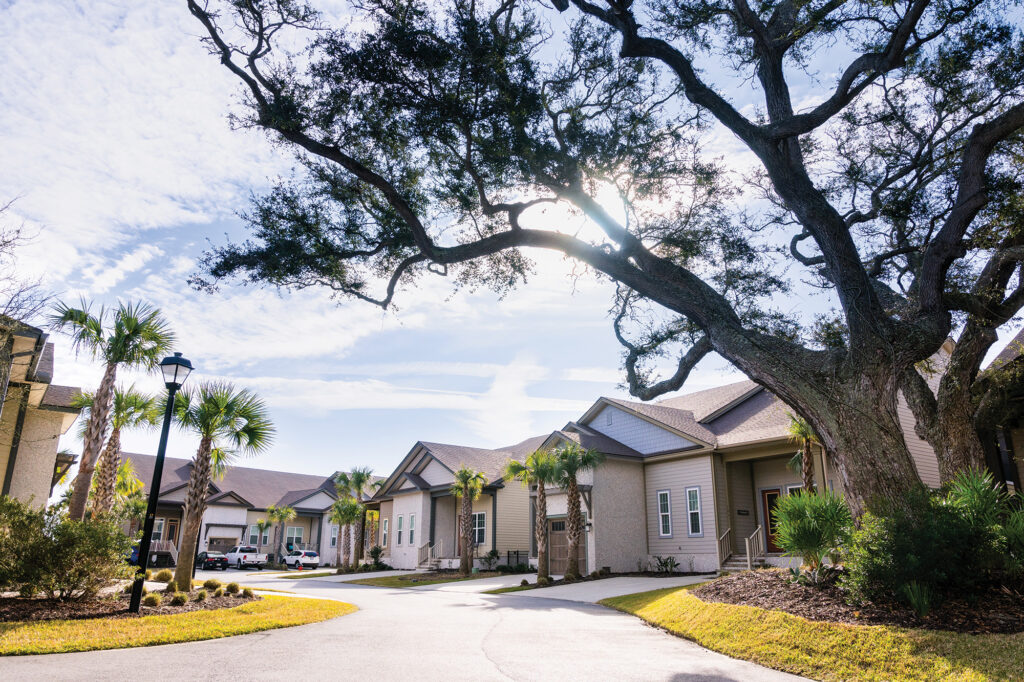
{"x":384,"y":533}
{"x":479,"y":528}
{"x":664,"y":513}
{"x":254,"y":536}
{"x":334,"y":536}
{"x":412,"y":529}
{"x":695,"y":527}
{"x":399,"y":540}
{"x":158,"y":530}
{"x":294,"y":535}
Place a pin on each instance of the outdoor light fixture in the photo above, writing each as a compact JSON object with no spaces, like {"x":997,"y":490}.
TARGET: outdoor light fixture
{"x":175,"y":370}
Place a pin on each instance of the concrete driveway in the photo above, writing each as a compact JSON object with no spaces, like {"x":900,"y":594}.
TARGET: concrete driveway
{"x":416,"y":634}
{"x":594,"y":591}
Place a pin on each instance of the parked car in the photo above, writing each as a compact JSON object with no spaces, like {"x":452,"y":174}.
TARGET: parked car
{"x":302,"y":558}
{"x":244,"y":556}
{"x":212,"y":560}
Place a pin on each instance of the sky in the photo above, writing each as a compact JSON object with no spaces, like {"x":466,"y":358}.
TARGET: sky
{"x":123,"y":166}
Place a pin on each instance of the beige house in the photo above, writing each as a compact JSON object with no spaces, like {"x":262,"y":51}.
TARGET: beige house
{"x":419,"y":517}
{"x":34,"y":414}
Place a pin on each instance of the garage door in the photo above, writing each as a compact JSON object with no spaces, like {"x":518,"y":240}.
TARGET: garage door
{"x":222,"y":544}
{"x":558,"y":548}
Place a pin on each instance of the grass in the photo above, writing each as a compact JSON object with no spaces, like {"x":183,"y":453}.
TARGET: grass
{"x":408,"y":580}
{"x":514,"y":588}
{"x":265,"y":589}
{"x":828,"y":651}
{"x":304,"y":574}
{"x":60,"y":636}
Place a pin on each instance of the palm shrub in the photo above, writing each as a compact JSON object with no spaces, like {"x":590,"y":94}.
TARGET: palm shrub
{"x":573,"y":460}
{"x":539,"y":469}
{"x":812,"y":526}
{"x":984,"y":505}
{"x":1013,"y":532}
{"x":165,"y":575}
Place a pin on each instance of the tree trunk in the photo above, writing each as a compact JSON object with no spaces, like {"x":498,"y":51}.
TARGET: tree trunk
{"x":99,"y":416}
{"x":279,"y":541}
{"x":807,"y":467}
{"x":541,"y":532}
{"x":106,"y":474}
{"x":348,"y":545}
{"x":357,"y":553}
{"x":466,"y":530}
{"x":195,"y":506}
{"x":575,"y":527}
{"x":337,"y":549}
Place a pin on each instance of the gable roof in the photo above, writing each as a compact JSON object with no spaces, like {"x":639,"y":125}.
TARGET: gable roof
{"x":260,"y":487}
{"x":1013,"y":350}
{"x":681,"y":421}
{"x":592,"y":440}
{"x":487,"y":461}
{"x":711,"y":402}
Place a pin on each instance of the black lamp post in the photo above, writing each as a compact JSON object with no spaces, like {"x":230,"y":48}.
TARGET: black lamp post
{"x":175,"y":370}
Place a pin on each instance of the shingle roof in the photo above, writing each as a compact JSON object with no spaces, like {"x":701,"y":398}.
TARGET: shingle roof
{"x":44,"y":369}
{"x":60,"y":396}
{"x":682,"y":421}
{"x":489,"y":462}
{"x":261,"y":487}
{"x":1013,"y":350}
{"x":762,"y":416}
{"x":591,"y":440}
{"x":705,"y":403}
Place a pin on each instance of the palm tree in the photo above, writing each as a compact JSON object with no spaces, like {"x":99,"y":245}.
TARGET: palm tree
{"x":134,"y":336}
{"x":280,"y":516}
{"x":231,"y":420}
{"x":129,"y":496}
{"x":345,"y":512}
{"x":539,"y":469}
{"x":467,"y":485}
{"x":354,"y":484}
{"x":802,"y":433}
{"x":261,"y":528}
{"x":572,"y":461}
{"x":130,"y":409}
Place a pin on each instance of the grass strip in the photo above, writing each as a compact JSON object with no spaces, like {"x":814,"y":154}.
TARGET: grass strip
{"x":514,"y":588}
{"x":827,"y":651}
{"x":61,"y":636}
{"x":301,"y":576}
{"x":410,"y":580}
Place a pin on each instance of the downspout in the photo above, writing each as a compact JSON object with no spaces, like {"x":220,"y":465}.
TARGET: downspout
{"x":433,"y":514}
{"x":494,"y":520}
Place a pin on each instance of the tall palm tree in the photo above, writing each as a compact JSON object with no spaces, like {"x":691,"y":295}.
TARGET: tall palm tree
{"x":539,"y":469}
{"x":802,"y":433}
{"x":133,"y":336}
{"x":572,"y":461}
{"x":345,"y":512}
{"x":232,"y":420}
{"x":261,"y":528}
{"x":279,"y":516}
{"x":130,"y":409}
{"x":129,"y":496}
{"x":467,"y":486}
{"x":354,"y":484}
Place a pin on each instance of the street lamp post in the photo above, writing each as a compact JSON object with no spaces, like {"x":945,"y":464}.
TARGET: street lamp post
{"x":175,"y":370}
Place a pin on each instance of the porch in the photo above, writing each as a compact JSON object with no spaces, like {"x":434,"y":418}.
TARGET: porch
{"x":444,"y":539}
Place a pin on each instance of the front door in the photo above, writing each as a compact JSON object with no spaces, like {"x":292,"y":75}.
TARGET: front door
{"x":769,"y":500}
{"x":558,"y":548}
{"x":172,"y":531}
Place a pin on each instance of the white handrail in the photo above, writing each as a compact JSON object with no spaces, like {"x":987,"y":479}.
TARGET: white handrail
{"x":725,"y":545}
{"x":755,"y":547}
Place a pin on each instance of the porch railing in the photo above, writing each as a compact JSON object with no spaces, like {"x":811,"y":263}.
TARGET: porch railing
{"x":423,"y":554}
{"x":165,"y":546}
{"x":725,"y":545}
{"x":755,"y":547}
{"x":436,"y":551}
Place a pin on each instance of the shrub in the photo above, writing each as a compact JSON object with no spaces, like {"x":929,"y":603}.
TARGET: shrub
{"x":919,"y":596}
{"x":201,"y":595}
{"x":666,"y":564}
{"x":179,"y":599}
{"x":812,"y":526}
{"x":524,"y":582}
{"x":503,"y":568}
{"x":165,"y":575}
{"x":543,"y":580}
{"x":170,"y":588}
{"x":219,"y":592}
{"x":490,"y":559}
{"x":232,"y":588}
{"x":248,"y":593}
{"x":211,"y":584}
{"x":152,"y":599}
{"x":523,"y":568}
{"x":1013,"y":533}
{"x":376,"y":552}
{"x":149,"y":574}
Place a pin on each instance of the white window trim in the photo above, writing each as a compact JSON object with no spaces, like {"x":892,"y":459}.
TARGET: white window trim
{"x":158,"y":529}
{"x":398,"y":532}
{"x":334,"y":535}
{"x":288,"y":535}
{"x":254,"y":530}
{"x":482,"y":528}
{"x":699,"y":511}
{"x":662,"y":515}
{"x":412,"y":529}
{"x":384,"y":532}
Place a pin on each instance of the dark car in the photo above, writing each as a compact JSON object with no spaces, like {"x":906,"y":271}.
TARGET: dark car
{"x":212,"y":560}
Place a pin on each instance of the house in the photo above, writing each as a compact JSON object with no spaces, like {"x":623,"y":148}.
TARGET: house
{"x":1006,"y":446}
{"x":419,"y":516}
{"x":237,"y":501}
{"x":34,"y":414}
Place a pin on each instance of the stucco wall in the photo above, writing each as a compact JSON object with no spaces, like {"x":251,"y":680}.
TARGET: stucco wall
{"x":37,"y":455}
{"x":405,"y":555}
{"x":637,"y":433}
{"x":385,"y":513}
{"x":675,"y":476}
{"x":617,"y":539}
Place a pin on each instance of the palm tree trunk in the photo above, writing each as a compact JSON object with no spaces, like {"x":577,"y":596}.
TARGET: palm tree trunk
{"x":575,"y":529}
{"x":106,"y":474}
{"x":340,"y":541}
{"x":357,"y":554}
{"x":280,"y":543}
{"x":466,"y":531}
{"x":807,"y":467}
{"x":348,"y":545}
{"x":99,"y":415}
{"x":195,"y":506}
{"x":541,"y":532}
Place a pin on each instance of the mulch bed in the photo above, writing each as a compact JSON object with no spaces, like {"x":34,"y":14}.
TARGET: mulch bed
{"x":18,"y":609}
{"x":995,"y":612}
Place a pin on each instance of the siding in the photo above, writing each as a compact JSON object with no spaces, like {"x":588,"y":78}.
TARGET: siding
{"x":641,"y":435}
{"x":385,"y":513}
{"x":617,"y":540}
{"x":444,"y":524}
{"x":513,"y":518}
{"x":923,"y":455}
{"x":436,"y":474}
{"x":676,"y":476}
{"x":721,"y":496}
{"x":741,"y":497}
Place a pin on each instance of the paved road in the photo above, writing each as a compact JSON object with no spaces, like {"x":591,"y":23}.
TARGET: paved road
{"x":401,"y":634}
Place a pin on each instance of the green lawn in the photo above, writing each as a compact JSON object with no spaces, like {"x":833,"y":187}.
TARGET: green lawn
{"x":828,"y":651}
{"x":59,"y":636}
{"x":514,"y":588}
{"x":304,"y":574}
{"x":420,"y":579}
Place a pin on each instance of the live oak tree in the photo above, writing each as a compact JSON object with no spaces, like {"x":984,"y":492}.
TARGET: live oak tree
{"x":431,"y":137}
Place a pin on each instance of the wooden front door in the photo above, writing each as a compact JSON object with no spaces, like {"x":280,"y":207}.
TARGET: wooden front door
{"x":769,"y":500}
{"x":172,"y":531}
{"x":558,"y":548}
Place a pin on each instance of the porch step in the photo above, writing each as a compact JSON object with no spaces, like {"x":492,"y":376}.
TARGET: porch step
{"x":735,"y":564}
